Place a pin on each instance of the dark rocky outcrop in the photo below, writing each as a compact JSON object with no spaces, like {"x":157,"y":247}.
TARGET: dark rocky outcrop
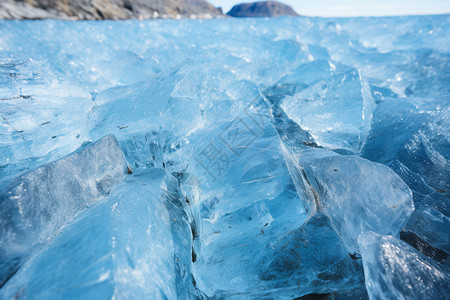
{"x":105,"y":9}
{"x":262,"y":9}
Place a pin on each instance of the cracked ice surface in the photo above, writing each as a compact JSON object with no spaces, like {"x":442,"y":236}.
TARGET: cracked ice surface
{"x":270,"y":158}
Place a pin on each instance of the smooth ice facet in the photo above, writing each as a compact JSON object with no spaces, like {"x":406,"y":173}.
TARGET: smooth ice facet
{"x":336,"y":112}
{"x":357,"y":194}
{"x":300,"y":263}
{"x":35,"y":205}
{"x":123,"y":247}
{"x":427,"y":230}
{"x":394,"y":270}
{"x":243,"y":201}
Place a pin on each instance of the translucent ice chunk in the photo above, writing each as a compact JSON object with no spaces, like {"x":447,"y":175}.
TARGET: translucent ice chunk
{"x":427,"y":230}
{"x":148,"y":106}
{"x":303,"y":77}
{"x":35,"y":205}
{"x":42,"y":126}
{"x":243,"y":214}
{"x":125,"y":68}
{"x":357,"y":194}
{"x":122,"y":247}
{"x":394,"y":270}
{"x":412,"y":137}
{"x":299,"y":263}
{"x":336,"y":112}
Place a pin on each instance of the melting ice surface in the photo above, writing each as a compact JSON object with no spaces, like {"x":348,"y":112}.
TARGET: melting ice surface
{"x":245,"y":159}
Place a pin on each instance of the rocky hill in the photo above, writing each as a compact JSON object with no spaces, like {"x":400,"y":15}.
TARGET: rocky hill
{"x":106,"y":9}
{"x":262,"y":9}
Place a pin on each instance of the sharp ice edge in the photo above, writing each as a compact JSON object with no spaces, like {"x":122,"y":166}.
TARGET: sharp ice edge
{"x":393,"y":269}
{"x":38,"y":203}
{"x":319,"y":130}
{"x":337,"y":112}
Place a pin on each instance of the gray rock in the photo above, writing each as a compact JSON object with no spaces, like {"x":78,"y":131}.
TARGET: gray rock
{"x":106,"y":9}
{"x":262,"y":9}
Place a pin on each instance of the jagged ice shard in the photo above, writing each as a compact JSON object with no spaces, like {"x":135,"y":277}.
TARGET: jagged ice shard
{"x":238,"y":159}
{"x":336,"y":112}
{"x":394,"y":270}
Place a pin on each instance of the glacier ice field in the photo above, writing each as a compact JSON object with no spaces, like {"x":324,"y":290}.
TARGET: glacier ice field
{"x":225,"y":159}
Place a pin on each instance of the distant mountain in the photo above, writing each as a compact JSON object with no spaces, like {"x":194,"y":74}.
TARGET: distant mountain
{"x":262,"y":9}
{"x":105,"y":9}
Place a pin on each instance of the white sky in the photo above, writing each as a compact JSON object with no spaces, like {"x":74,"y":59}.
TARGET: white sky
{"x":327,"y":8}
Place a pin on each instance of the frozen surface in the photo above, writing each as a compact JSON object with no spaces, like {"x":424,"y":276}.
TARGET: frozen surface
{"x":246,"y":159}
